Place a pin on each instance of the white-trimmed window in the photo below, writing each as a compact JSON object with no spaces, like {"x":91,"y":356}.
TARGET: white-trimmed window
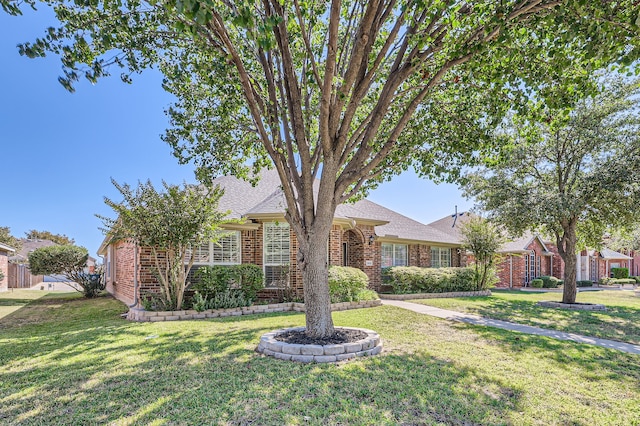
{"x":276,"y":252}
{"x":224,"y":251}
{"x":440,"y":257}
{"x":394,"y":255}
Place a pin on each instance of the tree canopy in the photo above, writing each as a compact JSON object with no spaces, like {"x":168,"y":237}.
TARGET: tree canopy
{"x":349,"y":92}
{"x":46,"y":235}
{"x":8,"y":239}
{"x":571,"y":174}
{"x":69,"y":261}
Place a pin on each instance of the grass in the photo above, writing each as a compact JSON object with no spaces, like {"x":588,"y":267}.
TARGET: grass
{"x":68,"y":361}
{"x":620,"y":322}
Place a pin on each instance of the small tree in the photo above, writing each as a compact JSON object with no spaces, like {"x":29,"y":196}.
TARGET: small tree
{"x":483,"y":239}
{"x":69,"y":261}
{"x":171,"y":223}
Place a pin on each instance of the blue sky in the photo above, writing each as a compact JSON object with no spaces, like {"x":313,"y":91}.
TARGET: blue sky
{"x":59,"y":150}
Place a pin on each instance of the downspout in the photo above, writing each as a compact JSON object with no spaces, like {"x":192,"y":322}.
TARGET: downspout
{"x":135,"y":276}
{"x":510,"y":271}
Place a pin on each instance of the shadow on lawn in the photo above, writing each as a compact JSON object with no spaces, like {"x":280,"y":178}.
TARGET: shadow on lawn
{"x":617,"y":323}
{"x":98,"y":368}
{"x":101,"y":369}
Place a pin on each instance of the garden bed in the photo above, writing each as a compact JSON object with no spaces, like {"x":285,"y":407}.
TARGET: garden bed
{"x":142,"y":316}
{"x":435,"y":295}
{"x":271,"y":345}
{"x":576,"y":306}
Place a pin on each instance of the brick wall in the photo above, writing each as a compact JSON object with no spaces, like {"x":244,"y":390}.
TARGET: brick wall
{"x":335,"y":246}
{"x":121,"y":282}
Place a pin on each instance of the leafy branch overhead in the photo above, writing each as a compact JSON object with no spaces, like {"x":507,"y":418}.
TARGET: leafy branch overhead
{"x":349,"y":92}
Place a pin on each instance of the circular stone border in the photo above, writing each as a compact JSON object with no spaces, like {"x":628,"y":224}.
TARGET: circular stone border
{"x":576,"y":306}
{"x":369,"y":346}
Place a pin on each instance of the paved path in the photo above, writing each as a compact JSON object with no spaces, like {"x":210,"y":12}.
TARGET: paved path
{"x":477,"y":320}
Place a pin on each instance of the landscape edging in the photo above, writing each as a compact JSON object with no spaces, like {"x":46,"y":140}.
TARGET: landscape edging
{"x":140,"y":315}
{"x":434,"y":295}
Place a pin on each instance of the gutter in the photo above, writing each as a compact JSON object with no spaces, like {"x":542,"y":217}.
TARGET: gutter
{"x":135,"y":276}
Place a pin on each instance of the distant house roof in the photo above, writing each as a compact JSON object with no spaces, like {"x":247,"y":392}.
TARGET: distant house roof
{"x":520,"y":245}
{"x":451,"y":224}
{"x":606,"y":253}
{"x":267,"y":198}
{"x":4,"y":247}
{"x":28,"y":246}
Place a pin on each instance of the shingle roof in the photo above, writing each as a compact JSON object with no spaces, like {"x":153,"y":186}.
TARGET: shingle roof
{"x":28,"y":246}
{"x":267,"y":198}
{"x":451,"y":224}
{"x":606,"y":253}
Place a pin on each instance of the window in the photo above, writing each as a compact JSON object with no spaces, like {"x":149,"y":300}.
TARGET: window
{"x":530,"y":267}
{"x":276,"y":249}
{"x":224,"y":251}
{"x":394,"y":255}
{"x":440,"y":257}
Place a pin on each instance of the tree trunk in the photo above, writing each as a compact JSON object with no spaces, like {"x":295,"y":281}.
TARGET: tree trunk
{"x":312,"y":260}
{"x":568,"y":254}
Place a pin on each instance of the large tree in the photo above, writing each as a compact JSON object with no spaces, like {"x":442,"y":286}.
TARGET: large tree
{"x":571,"y":173}
{"x":348,"y":92}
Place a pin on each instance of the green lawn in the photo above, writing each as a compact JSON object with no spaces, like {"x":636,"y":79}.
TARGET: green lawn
{"x":620,"y":322}
{"x":64,"y":360}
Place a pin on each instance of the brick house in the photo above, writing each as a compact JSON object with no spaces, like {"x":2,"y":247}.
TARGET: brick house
{"x":364,"y":235}
{"x":5,"y":250}
{"x":530,"y":256}
{"x":522,"y":259}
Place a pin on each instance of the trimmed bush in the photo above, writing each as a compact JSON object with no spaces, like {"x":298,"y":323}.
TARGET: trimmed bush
{"x":537,"y":283}
{"x":549,"y":282}
{"x":584,"y":283}
{"x":622,"y":281}
{"x":213,"y":280}
{"x":604,"y":280}
{"x":222,"y":300}
{"x":413,"y":279}
{"x":346,"y":284}
{"x":620,"y":272}
{"x":637,"y":278}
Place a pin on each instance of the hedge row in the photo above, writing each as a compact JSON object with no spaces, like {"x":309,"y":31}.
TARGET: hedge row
{"x":413,"y":279}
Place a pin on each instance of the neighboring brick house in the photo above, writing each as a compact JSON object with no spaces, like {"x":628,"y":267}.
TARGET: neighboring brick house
{"x":5,"y":250}
{"x":529,"y":256}
{"x":594,"y":265}
{"x":365,"y":235}
{"x":523,"y":259}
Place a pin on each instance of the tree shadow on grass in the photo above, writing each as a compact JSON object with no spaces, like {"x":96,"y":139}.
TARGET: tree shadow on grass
{"x":617,"y":323}
{"x":111,"y":371}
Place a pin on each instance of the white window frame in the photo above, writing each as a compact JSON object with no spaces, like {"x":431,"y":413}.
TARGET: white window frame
{"x":395,"y":256}
{"x":265,"y":230}
{"x":437,"y":263}
{"x":211,"y":246}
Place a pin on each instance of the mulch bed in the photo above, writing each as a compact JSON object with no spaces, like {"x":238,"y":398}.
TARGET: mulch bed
{"x":299,"y":337}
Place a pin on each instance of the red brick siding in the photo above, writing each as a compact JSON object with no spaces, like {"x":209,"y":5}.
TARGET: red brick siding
{"x":121,"y":281}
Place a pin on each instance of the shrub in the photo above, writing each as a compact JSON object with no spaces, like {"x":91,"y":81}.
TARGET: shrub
{"x":549,"y":282}
{"x":213,"y":280}
{"x":604,"y":280}
{"x":222,"y":300}
{"x":637,"y":278}
{"x":366,"y":294}
{"x":345,"y":283}
{"x":620,"y":272}
{"x":584,"y":283}
{"x":622,"y":281}
{"x":537,"y":283}
{"x":413,"y":279}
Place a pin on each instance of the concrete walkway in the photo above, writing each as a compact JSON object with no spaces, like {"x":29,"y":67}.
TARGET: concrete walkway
{"x":477,"y":320}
